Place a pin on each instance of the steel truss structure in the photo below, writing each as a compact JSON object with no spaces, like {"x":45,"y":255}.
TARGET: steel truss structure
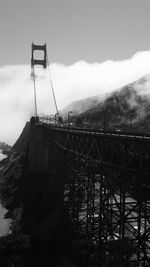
{"x":107,"y":190}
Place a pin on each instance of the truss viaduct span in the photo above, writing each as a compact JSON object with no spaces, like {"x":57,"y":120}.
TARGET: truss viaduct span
{"x":122,"y":150}
{"x":101,"y":178}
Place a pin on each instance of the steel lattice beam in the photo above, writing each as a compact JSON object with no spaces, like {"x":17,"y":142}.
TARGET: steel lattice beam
{"x":107,"y":188}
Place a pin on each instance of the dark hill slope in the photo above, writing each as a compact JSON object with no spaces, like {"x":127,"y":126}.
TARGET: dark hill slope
{"x":126,"y":107}
{"x":82,"y":105}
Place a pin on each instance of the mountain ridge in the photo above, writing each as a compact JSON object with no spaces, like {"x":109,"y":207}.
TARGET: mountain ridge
{"x":128,"y":106}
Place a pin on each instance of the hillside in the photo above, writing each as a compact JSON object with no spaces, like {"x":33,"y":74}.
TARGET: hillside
{"x":80,"y":106}
{"x":126,"y":107}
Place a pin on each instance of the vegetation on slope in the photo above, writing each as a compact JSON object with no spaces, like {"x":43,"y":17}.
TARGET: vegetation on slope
{"x":126,"y":108}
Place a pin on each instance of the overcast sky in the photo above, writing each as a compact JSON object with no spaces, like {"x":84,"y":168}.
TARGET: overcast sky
{"x":92,"y":30}
{"x":94,"y":46}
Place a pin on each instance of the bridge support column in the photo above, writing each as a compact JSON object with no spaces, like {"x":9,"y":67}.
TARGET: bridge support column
{"x":38,"y":152}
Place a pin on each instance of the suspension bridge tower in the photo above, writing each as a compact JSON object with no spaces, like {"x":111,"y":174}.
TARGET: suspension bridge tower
{"x":44,"y":62}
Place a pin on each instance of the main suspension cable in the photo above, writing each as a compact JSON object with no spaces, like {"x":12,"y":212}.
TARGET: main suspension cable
{"x":53,"y":92}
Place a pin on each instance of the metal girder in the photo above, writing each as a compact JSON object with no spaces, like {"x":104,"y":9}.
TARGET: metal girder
{"x":125,"y":153}
{"x":103,"y":209}
{"x":107,"y":191}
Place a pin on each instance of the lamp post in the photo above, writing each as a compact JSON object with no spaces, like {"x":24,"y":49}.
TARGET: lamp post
{"x":130,"y":118}
{"x":106,"y":118}
{"x":56,"y":117}
{"x":69,"y":116}
{"x":51,"y":118}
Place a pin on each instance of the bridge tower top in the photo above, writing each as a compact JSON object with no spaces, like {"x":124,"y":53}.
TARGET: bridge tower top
{"x":43,"y":61}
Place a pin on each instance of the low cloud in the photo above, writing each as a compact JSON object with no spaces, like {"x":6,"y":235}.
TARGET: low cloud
{"x":70,"y":83}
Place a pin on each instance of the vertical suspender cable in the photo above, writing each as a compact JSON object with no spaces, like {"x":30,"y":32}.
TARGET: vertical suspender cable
{"x":52,"y":85}
{"x":35,"y":99}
